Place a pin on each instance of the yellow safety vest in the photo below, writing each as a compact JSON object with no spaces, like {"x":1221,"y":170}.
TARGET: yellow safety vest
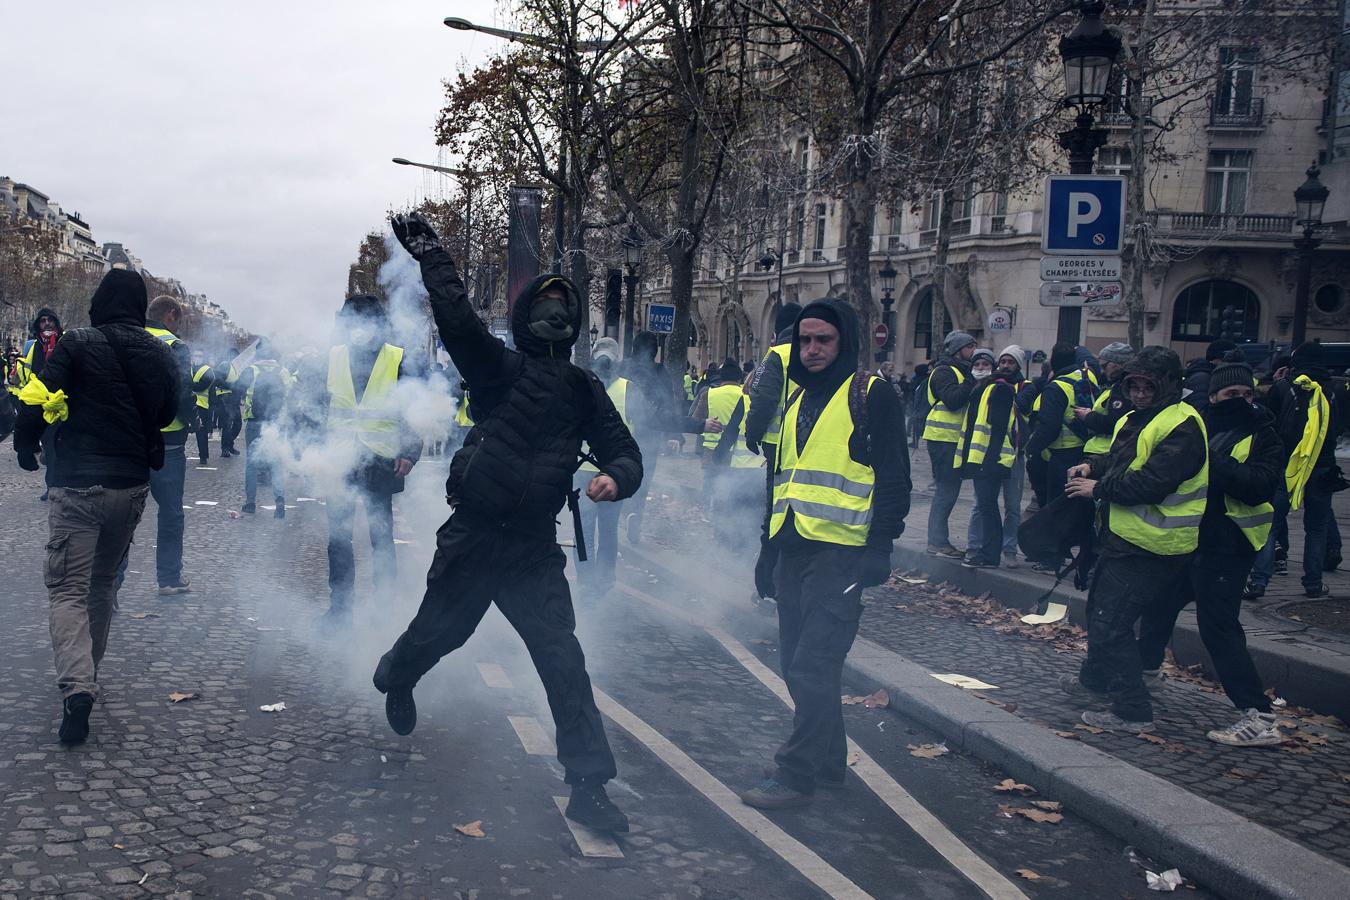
{"x":23,"y":368}
{"x":829,"y":493}
{"x":203,"y":397}
{"x":1098,"y":443}
{"x":1254,"y":521}
{"x":618,"y":394}
{"x":723,"y":401}
{"x":462,"y":417}
{"x":980,"y":431}
{"x":1066,"y":439}
{"x":775,"y":430}
{"x":374,"y":419}
{"x":169,"y":338}
{"x":943,"y":425}
{"x":256,"y":370}
{"x":688,"y":388}
{"x":1172,"y":527}
{"x":1303,"y":458}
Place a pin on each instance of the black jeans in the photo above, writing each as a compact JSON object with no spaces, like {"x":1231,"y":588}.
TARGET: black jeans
{"x":341,"y":558}
{"x":1215,"y":582}
{"x":1123,"y":589}
{"x":203,"y":429}
{"x":231,"y":421}
{"x":478,"y":564}
{"x":987,"y":490}
{"x":1053,"y":479}
{"x":817,"y":623}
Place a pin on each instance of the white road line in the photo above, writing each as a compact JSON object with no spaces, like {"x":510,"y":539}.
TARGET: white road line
{"x":901,"y":802}
{"x":532,"y":736}
{"x":591,"y":843}
{"x":794,"y":852}
{"x":494,"y":676}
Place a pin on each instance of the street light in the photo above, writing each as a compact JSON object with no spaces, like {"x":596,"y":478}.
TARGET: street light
{"x":467,"y":175}
{"x":632,"y":255}
{"x":1310,"y":199}
{"x":770,"y":259}
{"x":887,"y":276}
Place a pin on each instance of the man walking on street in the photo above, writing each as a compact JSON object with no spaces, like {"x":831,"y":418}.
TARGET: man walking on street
{"x":533,"y":410}
{"x":949,"y":389}
{"x":264,"y":385}
{"x":840,"y":498}
{"x":228,"y":415}
{"x":986,"y":454}
{"x":1151,"y":488}
{"x":43,"y":334}
{"x":203,"y":421}
{"x":113,"y":387}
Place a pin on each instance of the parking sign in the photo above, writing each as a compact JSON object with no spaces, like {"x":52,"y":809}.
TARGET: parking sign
{"x":1084,"y":214}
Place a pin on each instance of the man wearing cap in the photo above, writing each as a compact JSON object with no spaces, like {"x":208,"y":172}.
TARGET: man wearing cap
{"x":949,"y":390}
{"x":1151,"y":492}
{"x":1112,"y":403}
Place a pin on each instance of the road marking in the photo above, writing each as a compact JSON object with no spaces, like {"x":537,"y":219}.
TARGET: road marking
{"x":532,"y":737}
{"x":494,"y":676}
{"x":901,"y":802}
{"x":793,"y":852}
{"x":590,"y":842}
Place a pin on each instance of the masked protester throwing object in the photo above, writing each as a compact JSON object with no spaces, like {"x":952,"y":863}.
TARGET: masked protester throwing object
{"x":533,"y":409}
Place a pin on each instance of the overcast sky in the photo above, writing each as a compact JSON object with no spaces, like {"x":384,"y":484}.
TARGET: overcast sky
{"x":240,"y":147}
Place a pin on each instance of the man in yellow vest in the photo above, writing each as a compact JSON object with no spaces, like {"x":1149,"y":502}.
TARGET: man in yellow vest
{"x":227,"y":414}
{"x":1245,"y":464}
{"x":43,"y":333}
{"x":1055,"y":444}
{"x":600,"y":521}
{"x":368,"y":434}
{"x":203,"y":386}
{"x":840,"y":498}
{"x":718,"y":401}
{"x":263,"y":385}
{"x":1151,"y":491}
{"x":948,"y":393}
{"x":986,"y":454}
{"x":163,"y":319}
{"x":1112,"y":403}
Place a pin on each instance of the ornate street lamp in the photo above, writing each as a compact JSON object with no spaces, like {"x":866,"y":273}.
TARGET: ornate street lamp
{"x":887,"y":276}
{"x":632,"y":256}
{"x":1310,"y":199}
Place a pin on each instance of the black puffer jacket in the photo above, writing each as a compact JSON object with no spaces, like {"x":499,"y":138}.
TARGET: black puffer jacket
{"x":1252,"y":482}
{"x":532,"y":407}
{"x":116,"y":411}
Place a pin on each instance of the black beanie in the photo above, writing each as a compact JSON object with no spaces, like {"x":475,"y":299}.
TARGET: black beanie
{"x":1063,"y":356}
{"x":1229,"y":374}
{"x":1217,"y":349}
{"x":786,"y":317}
{"x":1307,"y":355}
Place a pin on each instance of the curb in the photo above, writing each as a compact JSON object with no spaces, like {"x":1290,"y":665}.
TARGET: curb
{"x":1216,"y":848}
{"x":1318,"y":682}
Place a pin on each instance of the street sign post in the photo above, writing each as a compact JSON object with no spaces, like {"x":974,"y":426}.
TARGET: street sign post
{"x":1084,"y":215}
{"x":880,"y":334}
{"x":1080,"y":268}
{"x":1077,"y":293}
{"x":660,"y":318}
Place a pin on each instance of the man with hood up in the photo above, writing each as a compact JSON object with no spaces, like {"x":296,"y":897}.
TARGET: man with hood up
{"x":840,"y":499}
{"x":1151,"y":489}
{"x":948,"y":393}
{"x":43,"y":334}
{"x":532,"y":410}
{"x":366,"y":430}
{"x":113,"y":387}
{"x":1056,"y":442}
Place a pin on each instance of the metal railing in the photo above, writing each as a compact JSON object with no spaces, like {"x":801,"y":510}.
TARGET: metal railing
{"x":1250,"y":115}
{"x":1221,"y":223}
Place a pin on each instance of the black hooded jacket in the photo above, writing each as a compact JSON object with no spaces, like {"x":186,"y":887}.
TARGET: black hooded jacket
{"x":881,"y":445}
{"x":1174,"y":459}
{"x":39,"y":348}
{"x":532,"y":407}
{"x":121,"y":387}
{"x":1251,"y":482}
{"x":766,"y":392}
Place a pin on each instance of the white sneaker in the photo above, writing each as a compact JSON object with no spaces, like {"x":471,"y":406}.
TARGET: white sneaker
{"x":1254,"y":729}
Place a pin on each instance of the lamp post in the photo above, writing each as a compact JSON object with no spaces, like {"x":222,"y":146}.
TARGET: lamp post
{"x":632,"y":257}
{"x":1309,"y":200}
{"x":1088,"y":52}
{"x":467,"y":175}
{"x":887,"y":276}
{"x":774,"y":257}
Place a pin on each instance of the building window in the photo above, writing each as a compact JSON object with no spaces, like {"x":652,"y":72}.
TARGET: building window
{"x":1237,"y":73}
{"x":1114,"y":161}
{"x":932,"y":210}
{"x":965,"y":204}
{"x":1198,"y":313}
{"x":803,"y":154}
{"x":820,"y":226}
{"x":1226,"y":177}
{"x":923,"y":322}
{"x":1329,"y":298}
{"x":799,"y":227}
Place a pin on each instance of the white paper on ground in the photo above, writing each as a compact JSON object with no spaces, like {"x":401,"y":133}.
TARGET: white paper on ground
{"x":273,"y":707}
{"x":206,"y":468}
{"x":965,"y":681}
{"x":1167,"y":881}
{"x":1055,"y":612}
{"x":208,"y":502}
{"x":305,"y":500}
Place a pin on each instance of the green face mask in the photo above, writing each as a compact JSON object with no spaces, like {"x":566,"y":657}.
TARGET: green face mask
{"x":549,"y":320}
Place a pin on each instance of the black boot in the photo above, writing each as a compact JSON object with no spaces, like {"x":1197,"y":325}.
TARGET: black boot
{"x":591,"y":806}
{"x":75,"y":718}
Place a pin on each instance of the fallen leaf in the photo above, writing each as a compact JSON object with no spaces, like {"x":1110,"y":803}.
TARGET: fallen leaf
{"x":910,"y":579}
{"x":879,"y":700}
{"x":144,"y":615}
{"x":180,"y":696}
{"x":1028,"y":874}
{"x":118,"y":847}
{"x":474,"y":829}
{"x":1067,"y":734}
{"x":851,"y":700}
{"x":1010,"y":707}
{"x":1034,"y":815}
{"x":1008,"y":785}
{"x":1288,"y":747}
{"x":1090,"y":729}
{"x":928,"y":751}
{"x":1315,"y":739}
{"x":1049,"y":805}
{"x":1151,"y":738}
{"x":1238,"y":773}
{"x":853,"y":757}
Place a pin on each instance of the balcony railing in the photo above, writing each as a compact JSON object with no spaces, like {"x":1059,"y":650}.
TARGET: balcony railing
{"x":1252,"y":114}
{"x":1223,"y":223}
{"x":1115,"y":114}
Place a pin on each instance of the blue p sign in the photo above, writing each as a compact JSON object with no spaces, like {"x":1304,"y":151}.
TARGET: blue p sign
{"x":1084,"y":214}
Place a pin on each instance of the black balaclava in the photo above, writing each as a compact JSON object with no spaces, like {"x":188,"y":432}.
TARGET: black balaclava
{"x":548,"y":327}
{"x":839,"y":314}
{"x":120,"y":299}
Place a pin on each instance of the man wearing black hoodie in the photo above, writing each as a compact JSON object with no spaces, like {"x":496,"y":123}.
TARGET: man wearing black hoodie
{"x":532,"y":410}
{"x":43,"y":334}
{"x":113,"y":387}
{"x":1056,"y":442}
{"x":840,"y":500}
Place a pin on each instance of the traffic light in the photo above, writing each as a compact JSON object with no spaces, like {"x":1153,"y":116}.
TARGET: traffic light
{"x":1232,"y":323}
{"x":613,"y":300}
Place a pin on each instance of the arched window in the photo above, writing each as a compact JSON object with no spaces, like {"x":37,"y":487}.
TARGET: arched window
{"x":1198,"y":312}
{"x":923,"y":321}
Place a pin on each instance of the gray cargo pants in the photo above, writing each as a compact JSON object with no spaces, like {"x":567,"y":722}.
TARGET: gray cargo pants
{"x":90,"y":531}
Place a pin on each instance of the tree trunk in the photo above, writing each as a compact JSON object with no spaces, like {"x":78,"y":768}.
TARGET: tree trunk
{"x":681,"y":296}
{"x":1135,"y":259}
{"x":860,"y":212}
{"x":940,"y":272}
{"x":580,"y":271}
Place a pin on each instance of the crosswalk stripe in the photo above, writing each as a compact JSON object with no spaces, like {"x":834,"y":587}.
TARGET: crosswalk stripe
{"x":595,"y":844}
{"x":532,"y":737}
{"x":494,"y":676}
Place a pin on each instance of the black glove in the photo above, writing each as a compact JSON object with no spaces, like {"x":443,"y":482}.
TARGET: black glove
{"x":876,"y":567}
{"x":415,"y":234}
{"x":764,"y":566}
{"x":28,"y":461}
{"x":753,"y":447}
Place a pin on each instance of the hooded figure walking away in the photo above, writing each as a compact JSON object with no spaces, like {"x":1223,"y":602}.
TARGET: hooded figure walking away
{"x":113,"y":387}
{"x":43,"y":334}
{"x":533,"y":409}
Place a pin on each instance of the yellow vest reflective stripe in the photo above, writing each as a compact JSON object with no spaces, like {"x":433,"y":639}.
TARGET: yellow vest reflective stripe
{"x":462,"y":417}
{"x":169,"y":338}
{"x":723,"y":402}
{"x":374,"y":420}
{"x":1066,"y":438}
{"x":1303,"y":458}
{"x":1172,"y":527}
{"x":829,"y":493}
{"x":775,"y":430}
{"x":943,"y":425}
{"x":203,"y":397}
{"x":1254,"y":521}
{"x":1099,"y":443}
{"x":980,"y":433}
{"x":618,"y":394}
